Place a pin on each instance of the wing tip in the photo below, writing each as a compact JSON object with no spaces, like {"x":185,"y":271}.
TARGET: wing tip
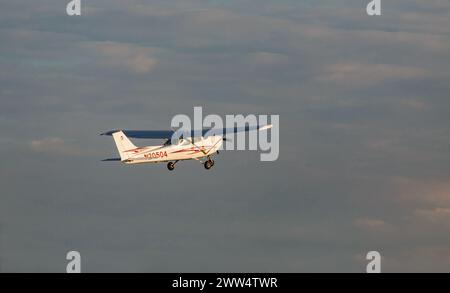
{"x":267,"y":126}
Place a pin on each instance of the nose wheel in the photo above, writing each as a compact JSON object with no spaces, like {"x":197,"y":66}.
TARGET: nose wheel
{"x":208,"y":164}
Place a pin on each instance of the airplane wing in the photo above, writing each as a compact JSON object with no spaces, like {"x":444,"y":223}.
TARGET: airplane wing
{"x":167,"y":134}
{"x":225,"y":131}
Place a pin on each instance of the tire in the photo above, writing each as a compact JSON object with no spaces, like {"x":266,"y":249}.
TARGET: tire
{"x":208,"y":165}
{"x":170,"y":166}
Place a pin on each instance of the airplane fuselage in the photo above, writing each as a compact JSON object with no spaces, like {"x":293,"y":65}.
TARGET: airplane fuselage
{"x":185,"y":149}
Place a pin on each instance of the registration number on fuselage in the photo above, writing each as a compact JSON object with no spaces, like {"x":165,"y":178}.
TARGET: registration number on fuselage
{"x":156,"y":155}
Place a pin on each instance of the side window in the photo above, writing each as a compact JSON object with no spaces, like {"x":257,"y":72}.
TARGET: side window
{"x":183,"y":142}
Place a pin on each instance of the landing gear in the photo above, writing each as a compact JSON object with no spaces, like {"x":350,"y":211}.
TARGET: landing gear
{"x":208,"y":164}
{"x":171,"y":166}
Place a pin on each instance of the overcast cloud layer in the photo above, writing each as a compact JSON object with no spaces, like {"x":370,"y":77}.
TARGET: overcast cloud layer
{"x":365,"y":134}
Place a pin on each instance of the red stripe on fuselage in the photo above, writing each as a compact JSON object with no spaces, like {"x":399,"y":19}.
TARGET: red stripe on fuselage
{"x":133,"y":150}
{"x":192,"y":149}
{"x":186,"y":150}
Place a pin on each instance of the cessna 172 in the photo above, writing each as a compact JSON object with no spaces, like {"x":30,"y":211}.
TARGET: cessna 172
{"x":191,"y":145}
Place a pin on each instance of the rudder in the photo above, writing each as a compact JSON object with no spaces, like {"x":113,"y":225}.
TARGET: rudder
{"x":124,"y":145}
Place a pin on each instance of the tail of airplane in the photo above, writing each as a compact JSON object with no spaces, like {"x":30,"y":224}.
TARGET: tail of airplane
{"x":124,"y":145}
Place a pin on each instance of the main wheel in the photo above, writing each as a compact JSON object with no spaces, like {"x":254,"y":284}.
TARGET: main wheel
{"x":208,"y":165}
{"x":171,"y":166}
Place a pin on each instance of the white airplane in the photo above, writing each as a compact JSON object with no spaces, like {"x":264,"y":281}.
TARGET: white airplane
{"x":201,"y":145}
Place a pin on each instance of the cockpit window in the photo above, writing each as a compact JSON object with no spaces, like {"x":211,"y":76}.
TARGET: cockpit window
{"x":184,"y":141}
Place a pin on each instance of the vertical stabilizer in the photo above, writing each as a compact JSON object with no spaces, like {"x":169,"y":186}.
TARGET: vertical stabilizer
{"x":124,"y":145}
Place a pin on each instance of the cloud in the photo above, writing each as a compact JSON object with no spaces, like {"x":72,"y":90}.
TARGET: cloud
{"x":373,"y":225}
{"x":435,"y":216}
{"x":134,"y":58}
{"x":268,"y":59}
{"x":360,"y":75}
{"x":54,"y":145}
{"x":430,"y":192}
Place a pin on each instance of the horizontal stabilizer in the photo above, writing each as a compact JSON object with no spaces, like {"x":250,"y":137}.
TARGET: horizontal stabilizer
{"x":112,"y":160}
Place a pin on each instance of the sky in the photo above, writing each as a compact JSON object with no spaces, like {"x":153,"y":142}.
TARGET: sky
{"x":364,"y":135}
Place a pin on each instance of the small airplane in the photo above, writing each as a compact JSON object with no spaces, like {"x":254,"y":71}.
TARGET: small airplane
{"x":199,"y":145}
